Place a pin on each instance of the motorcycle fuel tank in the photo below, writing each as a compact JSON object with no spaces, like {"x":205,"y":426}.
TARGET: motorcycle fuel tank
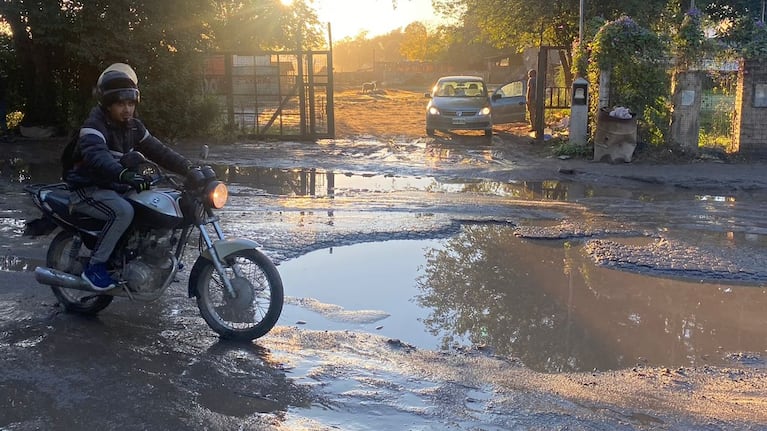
{"x":157,"y":208}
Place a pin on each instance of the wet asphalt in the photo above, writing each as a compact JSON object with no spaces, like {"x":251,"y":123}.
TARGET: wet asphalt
{"x":157,"y":366}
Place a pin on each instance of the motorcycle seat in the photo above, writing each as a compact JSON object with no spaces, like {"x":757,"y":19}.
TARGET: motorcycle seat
{"x":58,"y":200}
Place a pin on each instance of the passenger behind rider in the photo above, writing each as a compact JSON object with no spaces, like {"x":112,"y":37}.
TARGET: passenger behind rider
{"x":97,"y":180}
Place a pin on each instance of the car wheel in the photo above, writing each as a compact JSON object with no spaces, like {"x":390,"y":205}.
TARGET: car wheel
{"x":488,"y":132}
{"x":430,"y":132}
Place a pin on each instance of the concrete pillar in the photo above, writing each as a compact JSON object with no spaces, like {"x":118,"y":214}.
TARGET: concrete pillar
{"x":579,"y":112}
{"x":604,"y":88}
{"x":750,"y":135}
{"x":685,"y":119}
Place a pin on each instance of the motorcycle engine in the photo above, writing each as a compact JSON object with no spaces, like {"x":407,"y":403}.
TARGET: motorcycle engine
{"x":153,"y":263}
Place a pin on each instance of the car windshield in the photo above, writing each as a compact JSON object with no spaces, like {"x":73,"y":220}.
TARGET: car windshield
{"x":460,"y":89}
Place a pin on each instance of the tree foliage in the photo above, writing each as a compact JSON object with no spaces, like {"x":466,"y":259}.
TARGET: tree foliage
{"x":638,"y":60}
{"x":59,"y":48}
{"x":415,"y":42}
{"x":514,"y":25}
{"x":353,"y":54}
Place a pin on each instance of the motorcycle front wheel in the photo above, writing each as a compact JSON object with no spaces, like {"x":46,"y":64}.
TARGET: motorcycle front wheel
{"x":258,"y":297}
{"x":64,"y":255}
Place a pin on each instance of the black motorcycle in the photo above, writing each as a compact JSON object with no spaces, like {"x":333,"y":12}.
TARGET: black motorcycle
{"x":238,"y":289}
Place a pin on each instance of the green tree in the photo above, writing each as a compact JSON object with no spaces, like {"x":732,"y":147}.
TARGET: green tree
{"x":637,"y":60}
{"x":265,"y":25}
{"x":60,"y":47}
{"x":517,"y":24}
{"x":351,"y":54}
{"x":415,"y":41}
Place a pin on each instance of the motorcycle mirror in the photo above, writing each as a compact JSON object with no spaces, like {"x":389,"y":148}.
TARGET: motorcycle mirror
{"x":204,"y":152}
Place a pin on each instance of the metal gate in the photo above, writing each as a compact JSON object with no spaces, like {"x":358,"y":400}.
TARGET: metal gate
{"x":274,"y":94}
{"x":552,"y":97}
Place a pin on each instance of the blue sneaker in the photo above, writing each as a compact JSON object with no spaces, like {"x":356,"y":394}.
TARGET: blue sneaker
{"x":98,"y":278}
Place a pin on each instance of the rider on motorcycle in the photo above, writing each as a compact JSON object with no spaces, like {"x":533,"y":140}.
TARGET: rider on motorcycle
{"x":97,"y":180}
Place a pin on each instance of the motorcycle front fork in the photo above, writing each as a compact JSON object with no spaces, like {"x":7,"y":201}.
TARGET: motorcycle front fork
{"x":217,"y":259}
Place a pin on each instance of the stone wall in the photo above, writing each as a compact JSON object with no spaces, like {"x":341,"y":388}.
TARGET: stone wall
{"x":750,"y":118}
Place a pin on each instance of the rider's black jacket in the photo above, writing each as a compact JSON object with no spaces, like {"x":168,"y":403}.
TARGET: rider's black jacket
{"x":101,"y":144}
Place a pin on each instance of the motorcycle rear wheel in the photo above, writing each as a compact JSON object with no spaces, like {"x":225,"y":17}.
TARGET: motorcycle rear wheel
{"x":64,"y":255}
{"x":258,"y":300}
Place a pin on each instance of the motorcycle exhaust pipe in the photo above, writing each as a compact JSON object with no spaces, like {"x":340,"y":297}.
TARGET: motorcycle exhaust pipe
{"x":54,"y":277}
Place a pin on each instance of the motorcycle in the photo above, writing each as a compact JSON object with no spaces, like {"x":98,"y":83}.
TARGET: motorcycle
{"x":238,"y":289}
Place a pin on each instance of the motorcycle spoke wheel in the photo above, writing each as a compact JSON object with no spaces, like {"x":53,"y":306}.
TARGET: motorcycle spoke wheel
{"x":256,"y":305}
{"x":64,"y":254}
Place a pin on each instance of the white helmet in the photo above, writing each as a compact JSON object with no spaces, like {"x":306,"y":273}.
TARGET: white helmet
{"x":117,"y":82}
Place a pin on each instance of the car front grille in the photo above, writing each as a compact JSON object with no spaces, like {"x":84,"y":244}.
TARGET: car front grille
{"x":461,"y":113}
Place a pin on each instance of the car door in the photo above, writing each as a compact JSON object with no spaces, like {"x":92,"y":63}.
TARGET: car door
{"x":508,"y":103}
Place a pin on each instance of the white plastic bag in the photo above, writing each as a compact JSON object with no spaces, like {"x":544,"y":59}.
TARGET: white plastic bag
{"x":621,"y":112}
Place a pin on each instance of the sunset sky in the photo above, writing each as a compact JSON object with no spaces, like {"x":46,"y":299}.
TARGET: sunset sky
{"x":348,"y":17}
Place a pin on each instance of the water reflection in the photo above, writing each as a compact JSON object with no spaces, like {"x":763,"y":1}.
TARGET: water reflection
{"x":16,"y":263}
{"x":542,"y":301}
{"x":19,"y":170}
{"x":329,"y":184}
{"x":547,"y":304}
{"x":321,"y":183}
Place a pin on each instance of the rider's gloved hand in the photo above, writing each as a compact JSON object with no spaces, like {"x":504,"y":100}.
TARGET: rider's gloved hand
{"x":194,"y":177}
{"x":135,"y":180}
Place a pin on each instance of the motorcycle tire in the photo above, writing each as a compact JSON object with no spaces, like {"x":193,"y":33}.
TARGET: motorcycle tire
{"x":258,"y":299}
{"x":64,"y":255}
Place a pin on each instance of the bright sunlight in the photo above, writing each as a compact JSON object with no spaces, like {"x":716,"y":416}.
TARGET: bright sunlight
{"x":348,"y":18}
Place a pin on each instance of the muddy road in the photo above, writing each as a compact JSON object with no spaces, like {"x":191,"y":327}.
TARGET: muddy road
{"x":455,"y":283}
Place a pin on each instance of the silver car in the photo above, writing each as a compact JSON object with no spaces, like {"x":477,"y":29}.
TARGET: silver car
{"x":459,"y":103}
{"x":462,"y":103}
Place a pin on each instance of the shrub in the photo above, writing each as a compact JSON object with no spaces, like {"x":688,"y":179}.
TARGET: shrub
{"x":638,"y":61}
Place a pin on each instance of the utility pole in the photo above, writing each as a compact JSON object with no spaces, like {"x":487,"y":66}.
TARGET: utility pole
{"x":580,"y":21}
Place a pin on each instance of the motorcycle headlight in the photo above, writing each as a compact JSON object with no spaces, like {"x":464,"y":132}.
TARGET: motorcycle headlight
{"x":216,"y":194}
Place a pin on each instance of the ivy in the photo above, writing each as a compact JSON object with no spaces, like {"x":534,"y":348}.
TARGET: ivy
{"x":638,"y":60}
{"x":582,"y":49}
{"x":756,"y":45}
{"x":690,"y":42}
{"x":623,"y":39}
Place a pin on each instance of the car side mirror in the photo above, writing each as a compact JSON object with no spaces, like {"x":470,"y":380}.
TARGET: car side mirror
{"x":496,"y":96}
{"x":427,"y":95}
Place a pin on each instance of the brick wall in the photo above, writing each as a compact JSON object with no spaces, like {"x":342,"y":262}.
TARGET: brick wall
{"x":749,"y":121}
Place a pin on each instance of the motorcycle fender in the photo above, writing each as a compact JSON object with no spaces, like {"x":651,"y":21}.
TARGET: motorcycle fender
{"x":228,"y":246}
{"x":223,"y":248}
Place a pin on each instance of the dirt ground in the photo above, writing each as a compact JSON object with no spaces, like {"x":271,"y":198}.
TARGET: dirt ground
{"x":329,"y":380}
{"x":398,"y":114}
{"x":383,"y":113}
{"x":725,"y":397}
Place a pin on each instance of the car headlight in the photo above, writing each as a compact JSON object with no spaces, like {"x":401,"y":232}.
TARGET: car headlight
{"x":216,"y":194}
{"x":485,"y":111}
{"x":433,"y":111}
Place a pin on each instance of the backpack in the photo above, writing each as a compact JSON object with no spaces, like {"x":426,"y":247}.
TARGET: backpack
{"x":68,"y":154}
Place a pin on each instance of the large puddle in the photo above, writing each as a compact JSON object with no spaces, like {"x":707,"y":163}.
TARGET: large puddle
{"x":542,"y":301}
